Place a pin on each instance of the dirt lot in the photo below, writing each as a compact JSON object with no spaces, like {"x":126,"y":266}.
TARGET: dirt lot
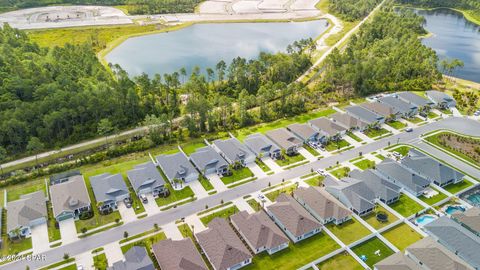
{"x":467,"y":146}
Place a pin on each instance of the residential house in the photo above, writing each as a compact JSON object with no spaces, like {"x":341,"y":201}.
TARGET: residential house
{"x":63,"y":177}
{"x":388,"y":112}
{"x":353,"y":193}
{"x":456,"y":238}
{"x":348,"y":122}
{"x":23,"y":214}
{"x":431,"y":169}
{"x":322,"y":205}
{"x":136,"y":258}
{"x":401,"y":107}
{"x":222,"y":247}
{"x":70,"y":199}
{"x":423,"y":254}
{"x":178,"y":255}
{"x":422,"y":103}
{"x":262,"y":146}
{"x":372,"y":119}
{"x":440,"y":99}
{"x":401,"y":175}
{"x":384,"y":190}
{"x":332,"y":130}
{"x":208,"y":161}
{"x":234,"y":151}
{"x":177,"y":167}
{"x":108,"y":190}
{"x":259,"y":231}
{"x":307,"y":133}
{"x":470,"y":219}
{"x":146,"y":179}
{"x":285,"y":139}
{"x":292,"y":218}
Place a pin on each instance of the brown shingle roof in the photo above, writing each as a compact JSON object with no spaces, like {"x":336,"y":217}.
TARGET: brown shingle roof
{"x":259,"y":230}
{"x":326,"y":125}
{"x":222,"y":246}
{"x":378,"y":108}
{"x":293,"y":216}
{"x":178,"y":255}
{"x":469,"y":218}
{"x":322,"y":203}
{"x":348,"y":121}
{"x":69,"y":195}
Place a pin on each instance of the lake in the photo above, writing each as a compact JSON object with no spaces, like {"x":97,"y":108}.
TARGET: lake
{"x":204,"y":45}
{"x":454,"y":37}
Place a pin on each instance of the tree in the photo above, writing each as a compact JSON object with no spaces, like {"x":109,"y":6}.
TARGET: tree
{"x":125,"y":234}
{"x":66,"y":256}
{"x":104,"y":128}
{"x":3,"y":156}
{"x":35,"y":146}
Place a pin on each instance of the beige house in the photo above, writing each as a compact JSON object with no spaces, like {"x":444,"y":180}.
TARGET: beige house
{"x":178,"y":255}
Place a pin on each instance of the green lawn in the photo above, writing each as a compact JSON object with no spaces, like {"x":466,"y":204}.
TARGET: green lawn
{"x":262,"y":165}
{"x":296,"y":255}
{"x":349,"y":231}
{"x":406,"y":206}
{"x":402,"y":150}
{"x":380,"y":156}
{"x":335,"y":145}
{"x":287,"y":160}
{"x":415,"y":120}
{"x":97,"y":220}
{"x":311,"y":150}
{"x":100,"y":261}
{"x":185,"y":230}
{"x":372,"y":218}
{"x":373,"y":132}
{"x":432,"y":115}
{"x":342,"y":261}
{"x":446,"y":111}
{"x":53,"y":232}
{"x":315,"y":181}
{"x":205,"y":183}
{"x":15,"y":191}
{"x":175,"y":195}
{"x":224,"y":213}
{"x":397,"y":124}
{"x":402,"y":236}
{"x":368,"y":248}
{"x":365,"y":164}
{"x":254,"y":204}
{"x":272,"y":196}
{"x":15,"y":247}
{"x":456,"y":188}
{"x":341,"y":172}
{"x":147,"y":243}
{"x":237,"y":175}
{"x":353,"y":136}
{"x":430,"y":201}
{"x":190,"y":148}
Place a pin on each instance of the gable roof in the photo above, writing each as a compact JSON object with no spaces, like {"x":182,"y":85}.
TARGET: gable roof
{"x":379,"y":108}
{"x":439,"y":97}
{"x":394,"y":171}
{"x":414,"y":99}
{"x":363,"y":114}
{"x":397,"y":261}
{"x":207,"y":157}
{"x":258,"y":229}
{"x":303,"y":131}
{"x":107,"y":187}
{"x":470,"y":219}
{"x":64,"y":176}
{"x":233,"y":149}
{"x":259,"y":143}
{"x":429,"y":167}
{"x":145,"y":175}
{"x":382,"y":188}
{"x":457,"y":239}
{"x":327,"y":126}
{"x":222,"y":246}
{"x":359,"y":196}
{"x":136,"y":258}
{"x":348,"y":121}
{"x":322,"y":203}
{"x":178,"y":255}
{"x":28,"y":208}
{"x":292,"y":215}
{"x":397,"y":105}
{"x":175,"y":166}
{"x":69,"y":195}
{"x":284,"y":138}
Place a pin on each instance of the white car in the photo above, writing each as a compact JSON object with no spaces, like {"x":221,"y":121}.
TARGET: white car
{"x":321,"y":172}
{"x":409,"y":129}
{"x":261,"y":198}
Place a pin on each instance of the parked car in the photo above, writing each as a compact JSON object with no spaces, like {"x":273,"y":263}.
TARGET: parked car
{"x":409,"y":129}
{"x":128,"y":202}
{"x":321,"y":172}
{"x":261,"y":198}
{"x":143,"y":197}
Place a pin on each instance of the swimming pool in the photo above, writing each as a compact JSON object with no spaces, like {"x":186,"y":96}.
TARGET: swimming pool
{"x":472,"y":196}
{"x":451,"y":209}
{"x":424,"y":220}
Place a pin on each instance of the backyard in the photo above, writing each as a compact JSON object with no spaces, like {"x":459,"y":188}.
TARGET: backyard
{"x":455,"y":188}
{"x":402,"y":236}
{"x":237,"y":175}
{"x":190,"y":148}
{"x":406,"y":206}
{"x":349,"y":231}
{"x":369,"y":248}
{"x":434,"y":199}
{"x":372,"y":218}
{"x":342,"y":261}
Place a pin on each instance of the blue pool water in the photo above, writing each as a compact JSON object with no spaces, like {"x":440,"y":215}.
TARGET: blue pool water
{"x":474,"y":199}
{"x":424,"y":220}
{"x":453,"y":209}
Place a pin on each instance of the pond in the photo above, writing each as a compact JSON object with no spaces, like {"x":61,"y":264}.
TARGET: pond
{"x":204,"y":45}
{"x":454,"y":37}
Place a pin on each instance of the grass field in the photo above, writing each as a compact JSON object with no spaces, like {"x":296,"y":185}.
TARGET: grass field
{"x":237,"y":175}
{"x":402,"y":236}
{"x":349,"y":231}
{"x":190,"y":148}
{"x":365,"y":164}
{"x":372,"y":218}
{"x":368,"y":249}
{"x":342,"y":261}
{"x":406,"y":206}
{"x":15,"y":247}
{"x":224,"y":213}
{"x":14,"y":192}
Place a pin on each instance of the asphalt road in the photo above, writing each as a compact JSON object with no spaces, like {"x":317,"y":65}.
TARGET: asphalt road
{"x":461,"y":125}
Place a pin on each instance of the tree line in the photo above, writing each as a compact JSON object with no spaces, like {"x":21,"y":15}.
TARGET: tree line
{"x":352,"y":10}
{"x":472,"y":7}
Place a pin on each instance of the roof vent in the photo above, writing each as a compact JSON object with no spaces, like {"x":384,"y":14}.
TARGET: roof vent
{"x":72,"y":202}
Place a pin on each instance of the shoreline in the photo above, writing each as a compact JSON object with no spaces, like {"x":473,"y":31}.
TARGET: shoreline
{"x":465,"y":14}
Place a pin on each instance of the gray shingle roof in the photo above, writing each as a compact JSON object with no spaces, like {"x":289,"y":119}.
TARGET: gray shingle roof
{"x":175,"y":166}
{"x":359,"y":196}
{"x":28,"y":208}
{"x":303,"y":131}
{"x":207,"y":157}
{"x":327,"y":126}
{"x":233,"y":149}
{"x":398,"y":105}
{"x":293,"y":216}
{"x":382,"y":188}
{"x":259,"y":230}
{"x":394,"y":171}
{"x":284,"y":138}
{"x":379,"y":108}
{"x":430,"y":168}
{"x":70,"y":195}
{"x":108,"y":187}
{"x":414,"y":99}
{"x":348,"y":121}
{"x":439,"y":97}
{"x":222,"y":246}
{"x":259,"y":143}
{"x":178,"y":255}
{"x":144,"y":176}
{"x":322,"y":203}
{"x":457,"y":239}
{"x":136,"y":258}
{"x":363,"y":114}
{"x":469,"y":219}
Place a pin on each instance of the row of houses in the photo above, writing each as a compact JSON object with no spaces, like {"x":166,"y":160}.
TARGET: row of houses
{"x":413,"y":174}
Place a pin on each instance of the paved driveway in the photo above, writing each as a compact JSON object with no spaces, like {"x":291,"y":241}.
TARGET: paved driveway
{"x":128,"y":214}
{"x":272,"y":165}
{"x":85,"y":260}
{"x":217,"y":182}
{"x":198,"y":189}
{"x":257,"y":171}
{"x":151,"y":207}
{"x":68,"y":231}
{"x":40,"y":241}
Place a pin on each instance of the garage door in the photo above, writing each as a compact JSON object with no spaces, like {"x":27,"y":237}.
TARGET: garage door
{"x":64,"y":216}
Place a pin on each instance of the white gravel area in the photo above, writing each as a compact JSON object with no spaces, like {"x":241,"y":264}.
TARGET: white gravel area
{"x":244,"y":7}
{"x":273,"y":5}
{"x":303,"y":5}
{"x":213,"y":7}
